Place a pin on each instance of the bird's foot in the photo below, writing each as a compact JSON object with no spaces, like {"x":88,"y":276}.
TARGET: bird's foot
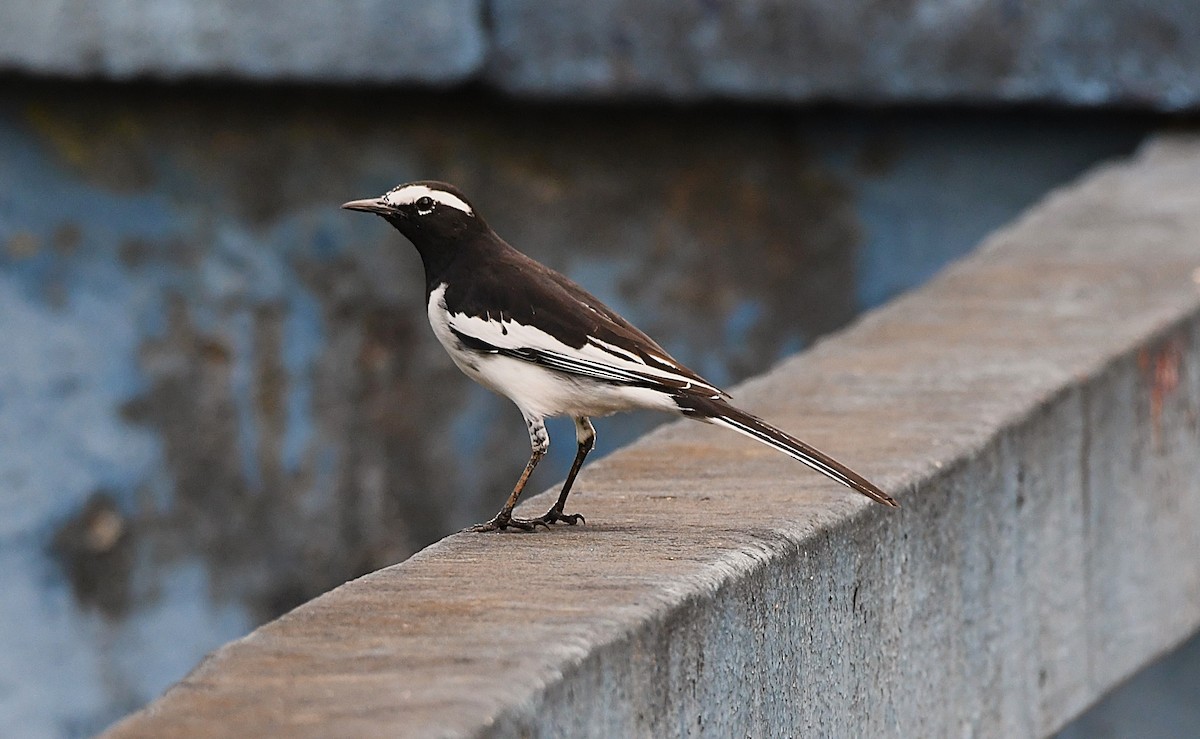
{"x":554,"y":516}
{"x":501,"y":522}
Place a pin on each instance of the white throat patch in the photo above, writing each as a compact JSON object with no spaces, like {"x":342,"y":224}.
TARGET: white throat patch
{"x":410,"y":194}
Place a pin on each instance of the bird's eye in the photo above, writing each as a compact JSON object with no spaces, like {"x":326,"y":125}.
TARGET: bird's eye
{"x":424,"y":205}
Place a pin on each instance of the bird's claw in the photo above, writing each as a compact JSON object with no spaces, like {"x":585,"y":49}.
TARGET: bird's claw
{"x":527,"y":524}
{"x":554,"y":516}
{"x":502,"y":522}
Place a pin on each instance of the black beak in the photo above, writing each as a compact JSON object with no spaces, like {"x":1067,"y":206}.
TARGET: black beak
{"x":370,"y":205}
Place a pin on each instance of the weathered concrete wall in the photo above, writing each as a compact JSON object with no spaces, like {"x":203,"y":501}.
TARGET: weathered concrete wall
{"x":1083,"y":52}
{"x":215,"y":393}
{"x":1036,"y":408}
{"x":428,"y":41}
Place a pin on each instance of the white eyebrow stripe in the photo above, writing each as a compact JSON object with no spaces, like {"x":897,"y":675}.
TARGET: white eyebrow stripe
{"x":412,"y":193}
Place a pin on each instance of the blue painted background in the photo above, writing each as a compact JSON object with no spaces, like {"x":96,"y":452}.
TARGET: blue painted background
{"x":218,"y":395}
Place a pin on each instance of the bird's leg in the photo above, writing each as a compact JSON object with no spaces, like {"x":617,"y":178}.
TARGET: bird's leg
{"x":539,"y":441}
{"x":585,"y":436}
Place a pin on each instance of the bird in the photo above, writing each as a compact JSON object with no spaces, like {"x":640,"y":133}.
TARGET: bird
{"x":529,"y":333}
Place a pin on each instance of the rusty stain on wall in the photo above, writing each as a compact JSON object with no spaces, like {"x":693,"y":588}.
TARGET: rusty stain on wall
{"x":1161,"y":367}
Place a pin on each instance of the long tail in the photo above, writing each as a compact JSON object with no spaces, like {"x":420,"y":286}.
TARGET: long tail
{"x":716,"y":410}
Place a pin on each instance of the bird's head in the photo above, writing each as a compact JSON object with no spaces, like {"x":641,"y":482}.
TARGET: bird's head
{"x":433,"y":215}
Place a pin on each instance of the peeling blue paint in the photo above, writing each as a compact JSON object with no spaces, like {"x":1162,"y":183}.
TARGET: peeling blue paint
{"x":243,"y":385}
{"x":303,"y":340}
{"x":72,"y":329}
{"x":944,"y":189}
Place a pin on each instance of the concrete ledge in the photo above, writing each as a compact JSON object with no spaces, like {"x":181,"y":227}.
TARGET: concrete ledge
{"x":1036,"y":407}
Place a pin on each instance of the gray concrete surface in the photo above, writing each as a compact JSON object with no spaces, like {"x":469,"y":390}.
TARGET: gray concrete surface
{"x":1083,"y":52}
{"x":1037,"y":410}
{"x":428,"y":41}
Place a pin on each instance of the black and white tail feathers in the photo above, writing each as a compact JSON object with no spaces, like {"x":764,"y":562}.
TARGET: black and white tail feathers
{"x":716,"y":410}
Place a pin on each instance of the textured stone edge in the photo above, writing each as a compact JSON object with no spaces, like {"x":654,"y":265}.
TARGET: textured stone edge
{"x":430,"y":42}
{"x":1043,"y":553}
{"x":1082,"y":54}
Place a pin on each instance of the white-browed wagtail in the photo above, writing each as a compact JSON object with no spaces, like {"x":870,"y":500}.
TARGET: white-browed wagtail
{"x":530,"y":334}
